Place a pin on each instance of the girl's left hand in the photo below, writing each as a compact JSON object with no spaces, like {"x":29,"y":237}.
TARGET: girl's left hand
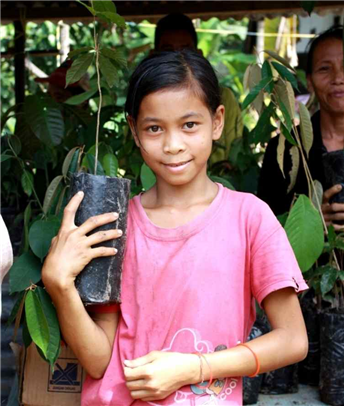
{"x":158,"y":374}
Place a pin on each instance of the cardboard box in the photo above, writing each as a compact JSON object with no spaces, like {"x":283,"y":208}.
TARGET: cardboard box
{"x":42,"y":387}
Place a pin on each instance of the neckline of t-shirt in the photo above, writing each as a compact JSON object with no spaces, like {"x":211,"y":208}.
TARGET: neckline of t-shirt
{"x":178,"y":233}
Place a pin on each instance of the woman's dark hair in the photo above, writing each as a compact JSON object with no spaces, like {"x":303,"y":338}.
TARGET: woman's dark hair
{"x":335,"y":32}
{"x":173,"y":70}
{"x":174,"y":22}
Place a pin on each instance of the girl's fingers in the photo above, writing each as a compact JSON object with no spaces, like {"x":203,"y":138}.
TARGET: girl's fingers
{"x":139,"y":384}
{"x":101,"y":236}
{"x":97,"y":221}
{"x":70,"y":210}
{"x":102,"y":252}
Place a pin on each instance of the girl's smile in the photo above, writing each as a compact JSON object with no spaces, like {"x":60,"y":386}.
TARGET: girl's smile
{"x":175,"y":131}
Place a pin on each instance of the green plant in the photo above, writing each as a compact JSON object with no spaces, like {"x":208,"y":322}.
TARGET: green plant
{"x":271,"y":94}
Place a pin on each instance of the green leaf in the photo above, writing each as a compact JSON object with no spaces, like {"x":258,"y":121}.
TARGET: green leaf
{"x":282,"y":218}
{"x":280,"y":153}
{"x":27,"y":182}
{"x":295,"y":164}
{"x":108,"y":70}
{"x":80,"y":98}
{"x":328,"y":279}
{"x":78,"y":68}
{"x":68,"y":160}
{"x":104,"y":5}
{"x":27,"y":340}
{"x":279,"y":59}
{"x":287,"y":134}
{"x":331,"y":235}
{"x":74,"y":164}
{"x":25,"y":271}
{"x":113,"y":18}
{"x":287,"y":119}
{"x":264,"y":128}
{"x":254,"y":92}
{"x":40,"y":235}
{"x":226,"y":183}
{"x":15,"y":144}
{"x":15,"y":309}
{"x":46,"y":122}
{"x":110,"y":165}
{"x":61,"y":203}
{"x":306,"y":128}
{"x":147,"y":176}
{"x":305,"y":232}
{"x":267,"y":73}
{"x":51,"y":193}
{"x":90,"y":9}
{"x":82,"y":50}
{"x":115,"y":55}
{"x":53,"y":325}
{"x":36,"y":321}
{"x":5,"y":157}
{"x":89,"y":162}
{"x":27,"y":217}
{"x":286,"y":74}
{"x":308,"y":6}
{"x":285,"y":93}
{"x":317,"y":195}
{"x":341,"y":275}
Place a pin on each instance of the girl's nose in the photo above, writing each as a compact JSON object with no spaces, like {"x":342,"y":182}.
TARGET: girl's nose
{"x":173,"y":143}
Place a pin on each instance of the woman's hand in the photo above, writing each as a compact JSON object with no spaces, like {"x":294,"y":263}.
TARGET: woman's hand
{"x":333,"y":212}
{"x":158,"y":374}
{"x":71,"y":250}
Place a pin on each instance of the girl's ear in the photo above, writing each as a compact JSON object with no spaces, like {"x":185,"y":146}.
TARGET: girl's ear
{"x":218,"y":122}
{"x":131,"y":123}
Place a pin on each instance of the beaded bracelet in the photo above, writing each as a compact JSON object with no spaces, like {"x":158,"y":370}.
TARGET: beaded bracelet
{"x":201,"y":357}
{"x":255,"y":357}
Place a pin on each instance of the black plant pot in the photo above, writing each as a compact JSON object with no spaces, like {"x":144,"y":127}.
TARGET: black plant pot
{"x":100,"y":281}
{"x":251,"y":386}
{"x":333,"y":164}
{"x":280,"y":381}
{"x":309,"y":368}
{"x":331,"y":384}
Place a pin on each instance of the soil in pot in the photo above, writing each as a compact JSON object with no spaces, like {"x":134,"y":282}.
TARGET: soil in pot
{"x":100,"y":281}
{"x":331,"y":385}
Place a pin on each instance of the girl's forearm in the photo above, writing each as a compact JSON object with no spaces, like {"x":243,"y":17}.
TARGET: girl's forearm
{"x":89,"y":342}
{"x":274,"y":350}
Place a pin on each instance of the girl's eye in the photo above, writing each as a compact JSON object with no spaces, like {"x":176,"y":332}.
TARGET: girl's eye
{"x":154,"y":129}
{"x":190,"y":125}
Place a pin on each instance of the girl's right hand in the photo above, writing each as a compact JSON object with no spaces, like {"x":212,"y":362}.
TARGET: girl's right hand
{"x":71,"y":250}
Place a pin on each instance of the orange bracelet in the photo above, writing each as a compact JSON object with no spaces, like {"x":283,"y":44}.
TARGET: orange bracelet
{"x":200,"y":356}
{"x":255,"y":357}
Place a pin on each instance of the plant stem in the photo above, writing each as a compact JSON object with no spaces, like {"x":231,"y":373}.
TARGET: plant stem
{"x":96,"y":46}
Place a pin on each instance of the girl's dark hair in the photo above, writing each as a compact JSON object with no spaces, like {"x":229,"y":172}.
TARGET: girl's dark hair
{"x":335,"y":32}
{"x":173,"y":70}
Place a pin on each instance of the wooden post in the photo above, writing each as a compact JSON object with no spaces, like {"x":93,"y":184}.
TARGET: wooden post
{"x":19,"y":60}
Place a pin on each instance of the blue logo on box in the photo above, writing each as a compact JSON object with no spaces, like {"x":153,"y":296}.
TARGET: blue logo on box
{"x":66,"y":377}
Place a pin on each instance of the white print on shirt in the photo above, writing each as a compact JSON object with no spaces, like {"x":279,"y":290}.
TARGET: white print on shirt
{"x":190,"y":340}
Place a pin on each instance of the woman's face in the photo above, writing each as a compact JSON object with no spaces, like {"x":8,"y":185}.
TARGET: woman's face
{"x":327,"y":77}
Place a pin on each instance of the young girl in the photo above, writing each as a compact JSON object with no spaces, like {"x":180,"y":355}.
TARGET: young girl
{"x":197,"y":255}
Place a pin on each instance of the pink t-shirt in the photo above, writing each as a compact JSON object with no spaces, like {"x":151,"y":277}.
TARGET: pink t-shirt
{"x":192,"y":288}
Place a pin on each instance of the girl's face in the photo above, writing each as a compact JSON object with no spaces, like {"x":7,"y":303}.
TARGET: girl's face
{"x":327,"y":77}
{"x":175,"y":131}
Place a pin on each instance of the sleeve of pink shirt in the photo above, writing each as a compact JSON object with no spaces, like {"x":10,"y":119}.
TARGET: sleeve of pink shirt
{"x":6,"y":253}
{"x":273,"y":263}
